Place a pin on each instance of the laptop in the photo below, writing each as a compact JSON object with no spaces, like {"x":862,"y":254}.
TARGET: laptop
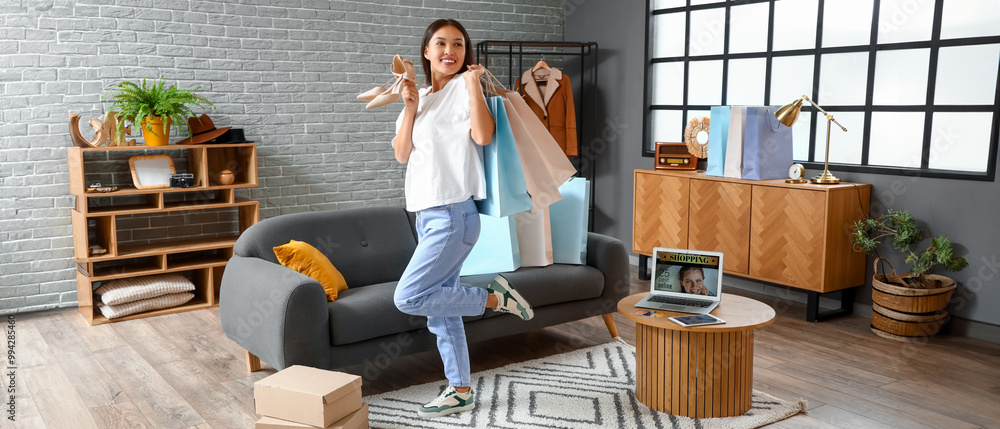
{"x":686,"y":281}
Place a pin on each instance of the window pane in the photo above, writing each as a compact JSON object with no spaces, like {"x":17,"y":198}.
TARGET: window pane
{"x":967,"y":75}
{"x":668,"y":35}
{"x":705,"y":82}
{"x":708,"y":31}
{"x":847,"y":22}
{"x":666,"y":4}
{"x":748,"y":28}
{"x":667,"y":126}
{"x":961,"y":141}
{"x":795,"y":24}
{"x":800,"y":137}
{"x":897,"y":139}
{"x":668,"y":83}
{"x":698,"y":2}
{"x":746,"y":82}
{"x":843,"y":79}
{"x":790,"y":78}
{"x":905,"y":21}
{"x":901,"y":77}
{"x":970,"y":18}
{"x":845,"y":147}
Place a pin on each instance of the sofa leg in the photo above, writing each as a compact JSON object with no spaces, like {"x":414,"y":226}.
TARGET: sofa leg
{"x":609,"y":320}
{"x":253,"y":362}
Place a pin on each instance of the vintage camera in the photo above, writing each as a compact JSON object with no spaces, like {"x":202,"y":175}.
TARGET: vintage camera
{"x":181,"y":180}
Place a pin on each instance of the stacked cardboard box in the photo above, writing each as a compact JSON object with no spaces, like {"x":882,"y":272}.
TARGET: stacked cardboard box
{"x":304,"y":397}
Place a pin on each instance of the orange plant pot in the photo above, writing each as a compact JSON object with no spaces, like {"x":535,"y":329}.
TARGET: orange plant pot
{"x":153,"y":136}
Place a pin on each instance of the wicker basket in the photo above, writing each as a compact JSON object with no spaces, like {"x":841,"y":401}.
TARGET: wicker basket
{"x":905,"y":328}
{"x":910,"y":300}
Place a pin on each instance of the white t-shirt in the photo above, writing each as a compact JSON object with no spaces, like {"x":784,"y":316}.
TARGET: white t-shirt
{"x":446,"y":165}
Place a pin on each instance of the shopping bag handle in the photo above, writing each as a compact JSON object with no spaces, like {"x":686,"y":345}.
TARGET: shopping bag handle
{"x":491,"y":83}
{"x":771,"y":118}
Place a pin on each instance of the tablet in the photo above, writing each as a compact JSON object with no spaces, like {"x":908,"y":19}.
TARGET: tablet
{"x":696,"y":320}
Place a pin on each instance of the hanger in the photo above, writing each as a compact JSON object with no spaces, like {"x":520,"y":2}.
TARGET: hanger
{"x":539,"y":65}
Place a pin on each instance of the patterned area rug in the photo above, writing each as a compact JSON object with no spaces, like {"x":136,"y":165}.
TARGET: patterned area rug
{"x":586,"y":388}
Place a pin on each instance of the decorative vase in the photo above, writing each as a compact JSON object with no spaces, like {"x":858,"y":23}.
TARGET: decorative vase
{"x":901,"y":312}
{"x":225,"y":177}
{"x":152,"y":136}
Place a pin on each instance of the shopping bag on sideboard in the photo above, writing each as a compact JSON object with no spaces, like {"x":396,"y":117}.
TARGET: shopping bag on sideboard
{"x":568,"y":220}
{"x":767,"y":145}
{"x":718,"y":135}
{"x":506,"y":190}
{"x":497,"y":250}
{"x":734,"y":143}
{"x":534,"y":237}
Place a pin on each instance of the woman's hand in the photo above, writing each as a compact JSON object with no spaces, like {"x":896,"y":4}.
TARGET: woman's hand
{"x":473,"y":75}
{"x":409,"y":94}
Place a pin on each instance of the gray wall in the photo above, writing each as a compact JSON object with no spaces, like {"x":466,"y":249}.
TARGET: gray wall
{"x":287,"y":71}
{"x":963,"y":210}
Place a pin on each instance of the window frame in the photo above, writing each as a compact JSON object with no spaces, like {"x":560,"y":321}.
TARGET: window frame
{"x":818,"y":128}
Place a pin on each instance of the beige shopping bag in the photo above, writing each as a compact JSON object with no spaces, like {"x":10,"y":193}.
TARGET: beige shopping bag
{"x":545,"y":165}
{"x":534,"y":237}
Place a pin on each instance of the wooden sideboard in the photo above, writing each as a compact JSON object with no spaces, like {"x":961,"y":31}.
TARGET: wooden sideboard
{"x":795,"y":235}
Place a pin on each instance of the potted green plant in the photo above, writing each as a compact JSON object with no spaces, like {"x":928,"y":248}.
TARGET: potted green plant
{"x":913,"y":303}
{"x":154,"y":108}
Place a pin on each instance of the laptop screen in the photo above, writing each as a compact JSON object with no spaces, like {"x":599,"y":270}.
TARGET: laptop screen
{"x":686,"y":273}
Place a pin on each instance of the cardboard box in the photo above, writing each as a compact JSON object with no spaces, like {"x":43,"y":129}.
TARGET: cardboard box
{"x":308,"y":395}
{"x":355,"y":420}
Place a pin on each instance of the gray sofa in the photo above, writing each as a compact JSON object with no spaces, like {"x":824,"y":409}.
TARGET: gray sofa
{"x":281,"y":317}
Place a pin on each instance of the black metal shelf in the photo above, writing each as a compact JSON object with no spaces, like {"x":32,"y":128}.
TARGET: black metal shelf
{"x":587,"y":87}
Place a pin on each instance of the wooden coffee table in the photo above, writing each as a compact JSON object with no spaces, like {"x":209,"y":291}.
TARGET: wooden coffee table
{"x":702,"y":371}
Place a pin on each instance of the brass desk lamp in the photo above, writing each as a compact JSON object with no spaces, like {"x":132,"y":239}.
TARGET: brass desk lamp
{"x":789,"y":113}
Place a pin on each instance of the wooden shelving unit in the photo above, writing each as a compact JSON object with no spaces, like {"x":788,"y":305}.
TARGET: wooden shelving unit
{"x":202,"y":259}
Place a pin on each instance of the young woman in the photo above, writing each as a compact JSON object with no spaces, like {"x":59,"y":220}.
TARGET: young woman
{"x":436,"y":136}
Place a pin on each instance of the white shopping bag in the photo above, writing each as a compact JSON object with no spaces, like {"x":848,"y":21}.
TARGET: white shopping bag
{"x":734,"y":143}
{"x":534,"y":237}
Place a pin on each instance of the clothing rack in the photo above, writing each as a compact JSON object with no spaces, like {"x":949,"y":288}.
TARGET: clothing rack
{"x":587,"y":87}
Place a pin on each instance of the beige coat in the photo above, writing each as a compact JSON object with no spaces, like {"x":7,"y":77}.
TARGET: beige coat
{"x":552,"y":102}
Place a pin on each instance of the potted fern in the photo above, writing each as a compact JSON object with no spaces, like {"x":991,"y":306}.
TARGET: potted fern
{"x":155,"y":108}
{"x":914,"y":303}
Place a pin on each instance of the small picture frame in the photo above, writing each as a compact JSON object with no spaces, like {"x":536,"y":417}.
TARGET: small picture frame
{"x":151,"y":171}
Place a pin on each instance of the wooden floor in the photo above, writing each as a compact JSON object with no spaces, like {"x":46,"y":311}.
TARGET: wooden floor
{"x":180,"y":371}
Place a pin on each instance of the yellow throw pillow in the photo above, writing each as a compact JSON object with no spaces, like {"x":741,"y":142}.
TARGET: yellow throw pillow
{"x":302,"y":257}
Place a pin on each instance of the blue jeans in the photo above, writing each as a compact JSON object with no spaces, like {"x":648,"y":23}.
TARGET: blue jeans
{"x":429,"y":286}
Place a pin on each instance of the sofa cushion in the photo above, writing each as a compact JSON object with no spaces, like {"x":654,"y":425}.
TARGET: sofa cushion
{"x":304,"y":258}
{"x":368,"y":245}
{"x":554,"y":284}
{"x":362,"y":313}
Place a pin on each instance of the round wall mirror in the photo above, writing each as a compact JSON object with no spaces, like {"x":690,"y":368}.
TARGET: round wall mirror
{"x":696,"y":137}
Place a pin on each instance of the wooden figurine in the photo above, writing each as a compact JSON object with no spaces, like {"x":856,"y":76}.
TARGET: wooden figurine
{"x":74,"y":132}
{"x":111,"y":128}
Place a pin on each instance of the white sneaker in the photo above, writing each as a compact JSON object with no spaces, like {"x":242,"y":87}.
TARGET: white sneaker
{"x":509,"y":301}
{"x":449,"y":402}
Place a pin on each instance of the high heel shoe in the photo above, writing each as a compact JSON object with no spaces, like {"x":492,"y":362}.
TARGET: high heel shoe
{"x":403,"y":70}
{"x":370,"y":94}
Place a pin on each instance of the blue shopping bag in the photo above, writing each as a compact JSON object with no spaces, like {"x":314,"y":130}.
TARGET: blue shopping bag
{"x":718,"y":133}
{"x":497,"y":250}
{"x":568,"y":218}
{"x":506,"y":189}
{"x":767,"y":145}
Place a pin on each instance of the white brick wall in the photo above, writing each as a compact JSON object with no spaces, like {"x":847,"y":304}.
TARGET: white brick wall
{"x":286,"y":71}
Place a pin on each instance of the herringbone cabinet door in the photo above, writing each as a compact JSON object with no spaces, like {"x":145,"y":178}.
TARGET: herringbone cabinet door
{"x":720,"y":222}
{"x":786,"y":236}
{"x":660,"y":213}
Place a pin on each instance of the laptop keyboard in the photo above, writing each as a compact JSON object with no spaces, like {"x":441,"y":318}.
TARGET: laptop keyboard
{"x":679,"y":301}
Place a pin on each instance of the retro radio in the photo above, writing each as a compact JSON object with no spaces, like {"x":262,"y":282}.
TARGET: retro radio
{"x":674,"y":156}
